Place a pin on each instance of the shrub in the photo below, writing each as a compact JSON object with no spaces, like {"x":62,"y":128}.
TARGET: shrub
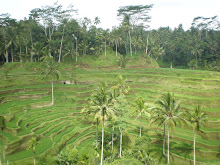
{"x":192,"y":64}
{"x":122,"y":61}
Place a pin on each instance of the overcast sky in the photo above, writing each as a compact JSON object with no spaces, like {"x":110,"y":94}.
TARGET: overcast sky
{"x":164,"y":12}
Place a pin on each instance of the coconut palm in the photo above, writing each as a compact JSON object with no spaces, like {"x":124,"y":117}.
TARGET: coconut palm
{"x":105,"y":36}
{"x":111,"y":124}
{"x":196,"y":51}
{"x":198,"y":118}
{"x":51,"y":70}
{"x":120,"y":104}
{"x":126,"y":24}
{"x":122,"y":86}
{"x":101,"y":102}
{"x":32,"y":144}
{"x":122,"y":61}
{"x":121,"y":107}
{"x":114,"y":96}
{"x":38,"y":49}
{"x":140,"y":108}
{"x":115,"y":39}
{"x":167,"y":112}
{"x":2,"y":126}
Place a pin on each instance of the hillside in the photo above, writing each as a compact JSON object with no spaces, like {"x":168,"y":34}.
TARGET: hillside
{"x":25,"y":99}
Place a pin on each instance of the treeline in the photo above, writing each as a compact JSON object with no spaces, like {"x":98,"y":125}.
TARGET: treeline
{"x":53,"y":30}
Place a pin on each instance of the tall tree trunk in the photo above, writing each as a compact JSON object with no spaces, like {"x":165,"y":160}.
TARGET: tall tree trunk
{"x":26,"y":48}
{"x":12,"y":55}
{"x":49,"y":39}
{"x":140,"y":125}
{"x":20,"y":53}
{"x":52,"y":92}
{"x":147,"y":45}
{"x":129,"y":33}
{"x":102,"y":136}
{"x":6,"y":55}
{"x":61,"y":44}
{"x":125,"y":48}
{"x":76,"y":50}
{"x":34,"y":159}
{"x":194,"y":149}
{"x":32,"y":53}
{"x":120,"y":142}
{"x":116,"y":49}
{"x":196,"y":62}
{"x":168,"y":146}
{"x":32,"y":46}
{"x":164,"y":142}
{"x":97,"y":126}
{"x":105,"y":47}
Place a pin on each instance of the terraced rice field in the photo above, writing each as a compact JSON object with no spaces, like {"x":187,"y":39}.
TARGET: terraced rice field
{"x":25,"y":102}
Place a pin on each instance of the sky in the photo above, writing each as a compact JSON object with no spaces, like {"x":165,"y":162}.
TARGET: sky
{"x":164,"y":12}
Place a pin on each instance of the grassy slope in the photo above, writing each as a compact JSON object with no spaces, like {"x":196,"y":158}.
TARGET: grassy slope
{"x":25,"y":102}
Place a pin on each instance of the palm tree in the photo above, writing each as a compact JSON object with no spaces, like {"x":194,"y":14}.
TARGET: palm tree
{"x":196,"y":51}
{"x":122,"y":86}
{"x":84,"y":45}
{"x":32,"y":144}
{"x":51,"y":70}
{"x":2,"y":126}
{"x":38,"y":49}
{"x":198,"y":118}
{"x":167,"y":113}
{"x":116,"y":39}
{"x":140,"y":108}
{"x":111,"y":124}
{"x":122,"y":60}
{"x":120,"y":104}
{"x":127,"y":26}
{"x":114,"y":96}
{"x":101,"y":101}
{"x":105,"y":36}
{"x":119,"y":91}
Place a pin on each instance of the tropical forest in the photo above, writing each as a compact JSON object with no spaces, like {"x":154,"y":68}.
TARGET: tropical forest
{"x":72,"y":93}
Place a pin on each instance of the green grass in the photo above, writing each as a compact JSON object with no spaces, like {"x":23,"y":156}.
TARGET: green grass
{"x":26,"y":97}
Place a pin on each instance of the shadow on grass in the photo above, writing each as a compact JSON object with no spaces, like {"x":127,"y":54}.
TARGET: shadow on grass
{"x":184,"y":148}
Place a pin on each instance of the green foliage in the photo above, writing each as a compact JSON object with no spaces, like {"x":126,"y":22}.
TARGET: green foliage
{"x":51,"y":68}
{"x":168,"y":112}
{"x":32,"y":144}
{"x":73,"y":156}
{"x":101,"y":102}
{"x":197,"y":118}
{"x":142,"y":150}
{"x":122,"y":61}
{"x":121,"y":85}
{"x":214,"y":66}
{"x":192,"y":64}
{"x":62,"y":158}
